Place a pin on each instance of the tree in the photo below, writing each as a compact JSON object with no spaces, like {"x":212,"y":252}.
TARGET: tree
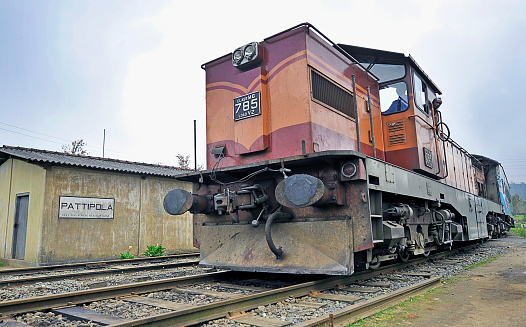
{"x":519,"y":205}
{"x":183,"y":161}
{"x":76,"y":147}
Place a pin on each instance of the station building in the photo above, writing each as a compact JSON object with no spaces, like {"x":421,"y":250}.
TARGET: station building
{"x":57,"y":208}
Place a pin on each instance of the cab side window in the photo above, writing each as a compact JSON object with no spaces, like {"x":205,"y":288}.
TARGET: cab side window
{"x":393,"y":98}
{"x":420,"y":94}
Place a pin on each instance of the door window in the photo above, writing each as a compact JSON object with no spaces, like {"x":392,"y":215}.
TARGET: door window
{"x":420,"y":92}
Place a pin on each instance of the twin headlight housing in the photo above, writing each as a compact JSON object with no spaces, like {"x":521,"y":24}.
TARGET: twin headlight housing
{"x":246,"y":55}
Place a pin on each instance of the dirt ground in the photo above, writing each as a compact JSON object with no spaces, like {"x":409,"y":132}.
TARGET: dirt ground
{"x":493,"y":294}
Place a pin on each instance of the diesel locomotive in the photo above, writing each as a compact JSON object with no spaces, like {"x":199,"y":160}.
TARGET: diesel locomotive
{"x":326,"y":158}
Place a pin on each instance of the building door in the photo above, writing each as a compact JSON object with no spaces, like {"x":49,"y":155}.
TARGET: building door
{"x":20,"y":226}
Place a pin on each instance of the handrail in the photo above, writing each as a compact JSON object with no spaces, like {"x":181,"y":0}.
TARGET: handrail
{"x":443,"y":143}
{"x":371,"y":119}
{"x":356,"y":113}
{"x":309,"y":25}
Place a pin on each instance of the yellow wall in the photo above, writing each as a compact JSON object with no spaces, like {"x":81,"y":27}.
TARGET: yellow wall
{"x":139,"y":217}
{"x":5,"y":186}
{"x":17,"y":177}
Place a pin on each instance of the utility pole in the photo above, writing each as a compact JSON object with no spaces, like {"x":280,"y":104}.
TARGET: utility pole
{"x":195,"y":145}
{"x":103,"y":142}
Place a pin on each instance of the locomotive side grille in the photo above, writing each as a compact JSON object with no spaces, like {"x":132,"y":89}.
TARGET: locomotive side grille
{"x":396,"y":126}
{"x":396,"y":139}
{"x":396,"y":132}
{"x":331,"y":94}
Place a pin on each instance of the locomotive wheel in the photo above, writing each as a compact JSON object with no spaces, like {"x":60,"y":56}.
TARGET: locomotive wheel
{"x":403,"y":255}
{"x":375,"y":263}
{"x":426,"y":253}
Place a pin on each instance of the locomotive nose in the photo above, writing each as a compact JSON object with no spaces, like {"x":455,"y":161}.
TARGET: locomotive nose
{"x":299,"y":191}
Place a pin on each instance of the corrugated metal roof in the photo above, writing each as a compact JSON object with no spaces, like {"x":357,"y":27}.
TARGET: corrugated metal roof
{"x":63,"y":159}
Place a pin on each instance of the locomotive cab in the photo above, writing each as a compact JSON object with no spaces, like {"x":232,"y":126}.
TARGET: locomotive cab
{"x":410,"y":113}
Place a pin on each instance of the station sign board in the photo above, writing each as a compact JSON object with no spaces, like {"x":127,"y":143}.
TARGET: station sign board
{"x":85,"y":208}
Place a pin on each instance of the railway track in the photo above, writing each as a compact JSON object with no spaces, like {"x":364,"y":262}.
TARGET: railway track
{"x":91,"y":271}
{"x":242,"y":297}
{"x":92,"y":264}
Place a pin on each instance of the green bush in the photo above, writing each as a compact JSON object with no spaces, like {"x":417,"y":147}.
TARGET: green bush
{"x":127,"y":254}
{"x":155,"y":250}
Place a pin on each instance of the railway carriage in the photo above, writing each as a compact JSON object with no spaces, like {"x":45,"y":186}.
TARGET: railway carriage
{"x":324,"y":158}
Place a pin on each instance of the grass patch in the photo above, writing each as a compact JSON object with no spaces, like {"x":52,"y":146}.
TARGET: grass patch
{"x":400,"y":310}
{"x":519,"y":219}
{"x":482,"y":263}
{"x":518,"y":231}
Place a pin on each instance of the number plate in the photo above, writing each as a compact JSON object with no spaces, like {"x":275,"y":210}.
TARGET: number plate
{"x":246,"y":106}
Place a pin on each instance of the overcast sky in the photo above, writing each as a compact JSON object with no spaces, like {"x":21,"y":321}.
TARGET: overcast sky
{"x":70,"y":69}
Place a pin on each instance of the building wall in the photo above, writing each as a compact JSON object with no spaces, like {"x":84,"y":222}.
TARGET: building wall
{"x":139,"y":217}
{"x":174,"y":232}
{"x":18,"y":177}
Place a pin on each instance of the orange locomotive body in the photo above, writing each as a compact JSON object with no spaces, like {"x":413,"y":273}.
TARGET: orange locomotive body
{"x":294,"y":118}
{"x":341,"y":153}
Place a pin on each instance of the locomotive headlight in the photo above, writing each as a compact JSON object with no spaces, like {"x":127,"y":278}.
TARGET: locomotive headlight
{"x":247,"y":56}
{"x":250,"y":51}
{"x":237,"y":57}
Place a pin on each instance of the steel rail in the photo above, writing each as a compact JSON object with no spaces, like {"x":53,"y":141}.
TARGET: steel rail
{"x":95,"y":273}
{"x":32,"y":270}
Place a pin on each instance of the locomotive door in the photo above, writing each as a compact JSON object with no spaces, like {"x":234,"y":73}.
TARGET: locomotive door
{"x":20,"y":227}
{"x":481,"y":218}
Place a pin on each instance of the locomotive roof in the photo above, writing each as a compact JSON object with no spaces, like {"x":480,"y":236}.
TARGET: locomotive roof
{"x":361,"y":52}
{"x":486,"y":161}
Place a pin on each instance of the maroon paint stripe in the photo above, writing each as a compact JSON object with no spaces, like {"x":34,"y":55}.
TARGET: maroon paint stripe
{"x":224,"y":87}
{"x":260,"y":81}
{"x":275,"y":73}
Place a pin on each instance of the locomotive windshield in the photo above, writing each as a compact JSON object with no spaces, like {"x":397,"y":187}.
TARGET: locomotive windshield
{"x":384,"y":71}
